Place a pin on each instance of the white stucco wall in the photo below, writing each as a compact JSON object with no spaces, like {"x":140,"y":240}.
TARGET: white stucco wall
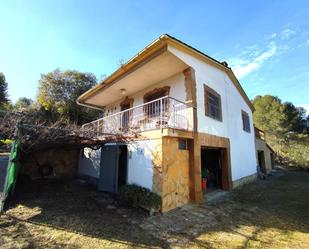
{"x":177,"y":90}
{"x":243,"y":159}
{"x":89,"y":163}
{"x":242,"y":143}
{"x":140,"y":170}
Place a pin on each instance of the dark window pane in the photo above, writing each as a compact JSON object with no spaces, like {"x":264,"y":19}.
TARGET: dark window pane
{"x":182,"y":144}
{"x":245,"y":121}
{"x":213,"y":106}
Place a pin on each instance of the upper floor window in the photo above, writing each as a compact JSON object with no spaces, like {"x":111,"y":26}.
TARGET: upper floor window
{"x":212,"y":103}
{"x":245,"y":121}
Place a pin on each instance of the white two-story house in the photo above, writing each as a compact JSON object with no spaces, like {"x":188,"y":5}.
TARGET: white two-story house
{"x":182,"y":116}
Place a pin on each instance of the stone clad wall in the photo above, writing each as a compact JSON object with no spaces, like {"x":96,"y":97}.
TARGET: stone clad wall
{"x":175,"y":169}
{"x":157,"y":179}
{"x":64,"y":163}
{"x":170,"y":170}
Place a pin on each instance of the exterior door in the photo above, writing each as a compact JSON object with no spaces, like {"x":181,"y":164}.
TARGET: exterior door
{"x":261,"y":159}
{"x":108,"y":180}
{"x":125,"y":117}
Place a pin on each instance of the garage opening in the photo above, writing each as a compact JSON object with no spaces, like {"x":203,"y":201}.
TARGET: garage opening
{"x":214,"y":168}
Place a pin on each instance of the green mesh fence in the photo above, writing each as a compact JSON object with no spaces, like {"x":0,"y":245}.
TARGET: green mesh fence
{"x":12,"y":173}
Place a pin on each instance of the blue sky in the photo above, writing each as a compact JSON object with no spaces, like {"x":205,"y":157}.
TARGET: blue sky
{"x":265,"y":42}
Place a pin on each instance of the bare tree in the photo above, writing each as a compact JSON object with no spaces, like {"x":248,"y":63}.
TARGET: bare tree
{"x":36,"y":134}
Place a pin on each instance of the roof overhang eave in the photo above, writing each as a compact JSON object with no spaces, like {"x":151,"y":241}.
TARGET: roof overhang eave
{"x":147,"y":51}
{"x":163,"y":40}
{"x":82,"y":103}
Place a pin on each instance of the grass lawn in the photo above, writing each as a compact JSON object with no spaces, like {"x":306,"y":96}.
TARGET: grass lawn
{"x":265,"y":214}
{"x":271,"y":215}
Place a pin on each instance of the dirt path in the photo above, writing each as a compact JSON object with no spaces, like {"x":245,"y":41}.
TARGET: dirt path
{"x":265,"y":214}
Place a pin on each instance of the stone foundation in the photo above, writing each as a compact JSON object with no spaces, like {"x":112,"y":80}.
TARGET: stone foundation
{"x":157,"y":178}
{"x":175,"y":188}
{"x":64,"y":163}
{"x":244,"y":180}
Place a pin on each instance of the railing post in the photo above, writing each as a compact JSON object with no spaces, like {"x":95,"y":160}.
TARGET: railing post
{"x":146,"y":116}
{"x":98,"y":127}
{"x":174,"y":114}
{"x":102,"y":127}
{"x":161,"y":115}
{"x":120,"y":117}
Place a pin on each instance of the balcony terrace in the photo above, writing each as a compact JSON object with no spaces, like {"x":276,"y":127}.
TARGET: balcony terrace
{"x":165,"y":112}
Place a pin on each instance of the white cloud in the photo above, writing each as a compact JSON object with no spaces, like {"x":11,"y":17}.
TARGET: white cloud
{"x":238,"y":61}
{"x":287,"y":33}
{"x":267,"y":54}
{"x":243,"y":67}
{"x":253,"y":57}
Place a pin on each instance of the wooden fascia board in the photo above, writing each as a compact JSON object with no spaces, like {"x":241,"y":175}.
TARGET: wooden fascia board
{"x":184,"y":48}
{"x":258,"y":129}
{"x":132,"y":69}
{"x":148,"y":53}
{"x":240,"y":89}
{"x":270,"y":148}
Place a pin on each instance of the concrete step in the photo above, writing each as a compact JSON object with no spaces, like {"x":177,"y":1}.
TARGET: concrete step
{"x":216,"y":196}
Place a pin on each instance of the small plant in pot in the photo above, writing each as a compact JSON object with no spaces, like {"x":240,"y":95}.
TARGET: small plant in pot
{"x":205,"y":174}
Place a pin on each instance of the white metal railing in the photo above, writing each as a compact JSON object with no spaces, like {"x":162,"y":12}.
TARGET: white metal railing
{"x":165,"y":112}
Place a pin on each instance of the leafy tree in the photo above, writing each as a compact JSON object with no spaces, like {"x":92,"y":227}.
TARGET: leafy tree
{"x":273,"y":116}
{"x":3,"y":91}
{"x":295,"y":118}
{"x":58,"y":91}
{"x":23,"y":104}
{"x":269,"y":114}
{"x":287,"y":129}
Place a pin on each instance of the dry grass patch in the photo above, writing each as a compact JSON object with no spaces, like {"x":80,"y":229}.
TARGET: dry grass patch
{"x":265,"y":214}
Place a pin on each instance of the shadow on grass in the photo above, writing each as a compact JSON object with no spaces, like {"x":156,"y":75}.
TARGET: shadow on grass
{"x":74,"y":207}
{"x":14,"y":233}
{"x":278,"y":205}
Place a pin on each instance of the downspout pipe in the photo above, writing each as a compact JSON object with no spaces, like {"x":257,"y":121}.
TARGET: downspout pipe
{"x":89,"y":106}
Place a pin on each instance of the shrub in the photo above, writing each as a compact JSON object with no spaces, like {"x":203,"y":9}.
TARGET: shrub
{"x":137,"y":196}
{"x":6,"y":141}
{"x":292,"y":150}
{"x":5,"y":144}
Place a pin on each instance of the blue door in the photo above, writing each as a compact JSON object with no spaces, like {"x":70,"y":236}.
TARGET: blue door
{"x":108,"y":180}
